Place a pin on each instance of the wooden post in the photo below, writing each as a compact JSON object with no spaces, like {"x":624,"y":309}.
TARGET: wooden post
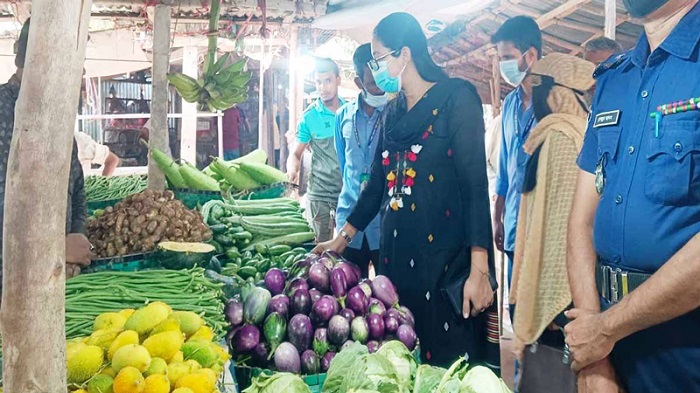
{"x":158,"y":136}
{"x":33,"y":296}
{"x":188,"y":132}
{"x":292,"y":96}
{"x":496,"y":98}
{"x":262,"y":118}
{"x":610,"y":18}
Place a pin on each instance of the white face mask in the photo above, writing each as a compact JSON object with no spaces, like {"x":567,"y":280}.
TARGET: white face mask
{"x":510,"y":70}
{"x":375,"y":101}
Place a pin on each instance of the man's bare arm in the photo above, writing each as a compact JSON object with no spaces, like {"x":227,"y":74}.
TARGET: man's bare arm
{"x":294,"y":161}
{"x":581,"y":256}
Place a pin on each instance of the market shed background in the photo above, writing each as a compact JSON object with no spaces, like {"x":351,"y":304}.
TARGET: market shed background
{"x":460,"y":31}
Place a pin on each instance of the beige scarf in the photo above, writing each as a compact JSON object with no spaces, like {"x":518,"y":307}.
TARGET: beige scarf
{"x":540,"y":285}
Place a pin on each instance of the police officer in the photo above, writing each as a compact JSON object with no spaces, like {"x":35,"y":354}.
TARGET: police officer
{"x":633,"y":231}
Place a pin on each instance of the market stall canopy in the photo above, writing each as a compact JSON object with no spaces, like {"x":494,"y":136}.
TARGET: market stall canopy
{"x":459,"y":31}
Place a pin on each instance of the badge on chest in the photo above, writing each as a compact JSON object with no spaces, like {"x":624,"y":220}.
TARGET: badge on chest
{"x":605,"y":119}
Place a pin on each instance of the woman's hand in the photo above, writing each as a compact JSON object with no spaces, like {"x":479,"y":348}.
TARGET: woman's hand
{"x":338,"y":244}
{"x":478,"y":294}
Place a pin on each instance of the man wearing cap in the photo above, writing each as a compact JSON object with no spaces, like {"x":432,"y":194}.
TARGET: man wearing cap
{"x":78,"y":248}
{"x":635,"y":223}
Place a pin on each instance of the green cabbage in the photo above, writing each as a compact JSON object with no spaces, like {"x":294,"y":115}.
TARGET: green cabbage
{"x":278,"y":382}
{"x":356,"y":370}
{"x":481,"y":379}
{"x":427,"y":379}
{"x":403,"y":361}
{"x":452,"y":379}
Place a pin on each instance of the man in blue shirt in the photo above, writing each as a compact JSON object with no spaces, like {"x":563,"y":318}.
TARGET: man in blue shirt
{"x":635,"y":223}
{"x":519,"y":44}
{"x":357,"y":131}
{"x":316,"y":131}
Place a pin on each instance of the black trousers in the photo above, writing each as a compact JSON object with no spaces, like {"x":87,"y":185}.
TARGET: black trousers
{"x":362,"y":257}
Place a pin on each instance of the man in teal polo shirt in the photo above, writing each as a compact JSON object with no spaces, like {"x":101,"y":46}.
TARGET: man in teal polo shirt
{"x":316,"y":130}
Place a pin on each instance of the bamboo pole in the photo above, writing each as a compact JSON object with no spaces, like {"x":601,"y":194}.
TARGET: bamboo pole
{"x":158,"y":136}
{"x":36,"y":189}
{"x":610,"y":18}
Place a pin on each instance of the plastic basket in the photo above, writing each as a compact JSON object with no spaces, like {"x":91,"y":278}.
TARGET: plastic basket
{"x":193,"y":198}
{"x":126,"y":263}
{"x":243,"y":377}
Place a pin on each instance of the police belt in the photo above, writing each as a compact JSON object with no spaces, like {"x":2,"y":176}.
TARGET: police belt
{"x":615,"y":283}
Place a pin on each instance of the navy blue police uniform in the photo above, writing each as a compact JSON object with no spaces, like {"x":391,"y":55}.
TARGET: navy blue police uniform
{"x":643,"y":145}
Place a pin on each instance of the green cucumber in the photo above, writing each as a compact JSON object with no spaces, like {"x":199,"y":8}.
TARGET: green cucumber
{"x":242,"y":236}
{"x":218,"y":229}
{"x":247,"y":272}
{"x":224,"y":240}
{"x":279,"y":249}
{"x":232,"y":253}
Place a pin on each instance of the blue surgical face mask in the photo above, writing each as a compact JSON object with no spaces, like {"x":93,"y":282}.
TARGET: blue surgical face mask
{"x":510,"y":70}
{"x":375,"y":101}
{"x":384,"y":80}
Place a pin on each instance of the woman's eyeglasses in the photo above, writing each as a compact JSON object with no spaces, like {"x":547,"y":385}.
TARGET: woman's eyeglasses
{"x":374,"y":63}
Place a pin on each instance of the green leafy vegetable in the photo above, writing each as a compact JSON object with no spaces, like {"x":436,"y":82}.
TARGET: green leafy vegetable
{"x":278,"y":382}
{"x":356,"y":370}
{"x":342,"y":362}
{"x":452,"y":379}
{"x":480,"y":379}
{"x":427,"y":379}
{"x":403,"y":361}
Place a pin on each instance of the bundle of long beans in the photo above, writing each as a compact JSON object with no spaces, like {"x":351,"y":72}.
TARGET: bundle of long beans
{"x":90,"y":295}
{"x":101,"y":188}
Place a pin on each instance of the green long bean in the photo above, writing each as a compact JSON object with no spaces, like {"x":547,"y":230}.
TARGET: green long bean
{"x":100,"y":188}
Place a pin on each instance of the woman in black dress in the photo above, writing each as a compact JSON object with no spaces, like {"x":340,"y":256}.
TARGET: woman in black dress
{"x":429,"y":182}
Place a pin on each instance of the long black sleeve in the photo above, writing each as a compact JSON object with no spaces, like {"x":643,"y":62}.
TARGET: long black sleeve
{"x":78,"y":202}
{"x":466,"y":125}
{"x":371,"y":197}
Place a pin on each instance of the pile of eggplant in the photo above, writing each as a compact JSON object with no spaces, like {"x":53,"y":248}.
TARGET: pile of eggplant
{"x":299,"y":319}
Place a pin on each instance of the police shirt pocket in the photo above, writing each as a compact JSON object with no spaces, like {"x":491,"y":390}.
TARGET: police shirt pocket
{"x":673,"y":173}
{"x":346,"y":129}
{"x":608,"y":142}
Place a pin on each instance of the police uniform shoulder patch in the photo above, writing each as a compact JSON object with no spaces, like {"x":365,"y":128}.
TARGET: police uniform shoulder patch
{"x":610,"y":64}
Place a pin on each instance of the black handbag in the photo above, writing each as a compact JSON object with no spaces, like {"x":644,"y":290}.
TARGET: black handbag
{"x":546,"y":369}
{"x":453,"y":292}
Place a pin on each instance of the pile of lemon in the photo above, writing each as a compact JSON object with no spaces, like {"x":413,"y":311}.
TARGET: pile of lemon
{"x":150,"y":350}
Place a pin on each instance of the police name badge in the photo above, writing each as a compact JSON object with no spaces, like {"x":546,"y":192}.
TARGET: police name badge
{"x":604,"y":119}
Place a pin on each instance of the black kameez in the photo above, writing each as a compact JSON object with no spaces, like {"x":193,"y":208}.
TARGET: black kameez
{"x":438,"y":150}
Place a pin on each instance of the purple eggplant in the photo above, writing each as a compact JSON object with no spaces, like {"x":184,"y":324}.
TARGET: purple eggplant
{"x":339,"y":285}
{"x":301,"y":268}
{"x":300,"y":332}
{"x":352,"y":274}
{"x":310,"y":364}
{"x":320,"y":343}
{"x":376,"y":307}
{"x":297,"y":283}
{"x":336,"y":304}
{"x":407,"y":336}
{"x":376,"y":326}
{"x":320,"y":277}
{"x":406,"y":317}
{"x":287,"y":359}
{"x":359,"y":330}
{"x":260,"y":355}
{"x":234,"y":312}
{"x":274,"y":281}
{"x":301,"y":302}
{"x":323,"y":310}
{"x":357,"y":301}
{"x":326,"y":361}
{"x":383,"y":289}
{"x":327,"y":262}
{"x":347,"y":314}
{"x":245,"y":339}
{"x":391,"y":324}
{"x":338,"y":330}
{"x":345,"y":345}
{"x":366,"y":286}
{"x":280,"y":305}
{"x":334,"y":256}
{"x":275,"y":328}
{"x":315,"y":295}
{"x":393,"y":312}
{"x":373,"y":346}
